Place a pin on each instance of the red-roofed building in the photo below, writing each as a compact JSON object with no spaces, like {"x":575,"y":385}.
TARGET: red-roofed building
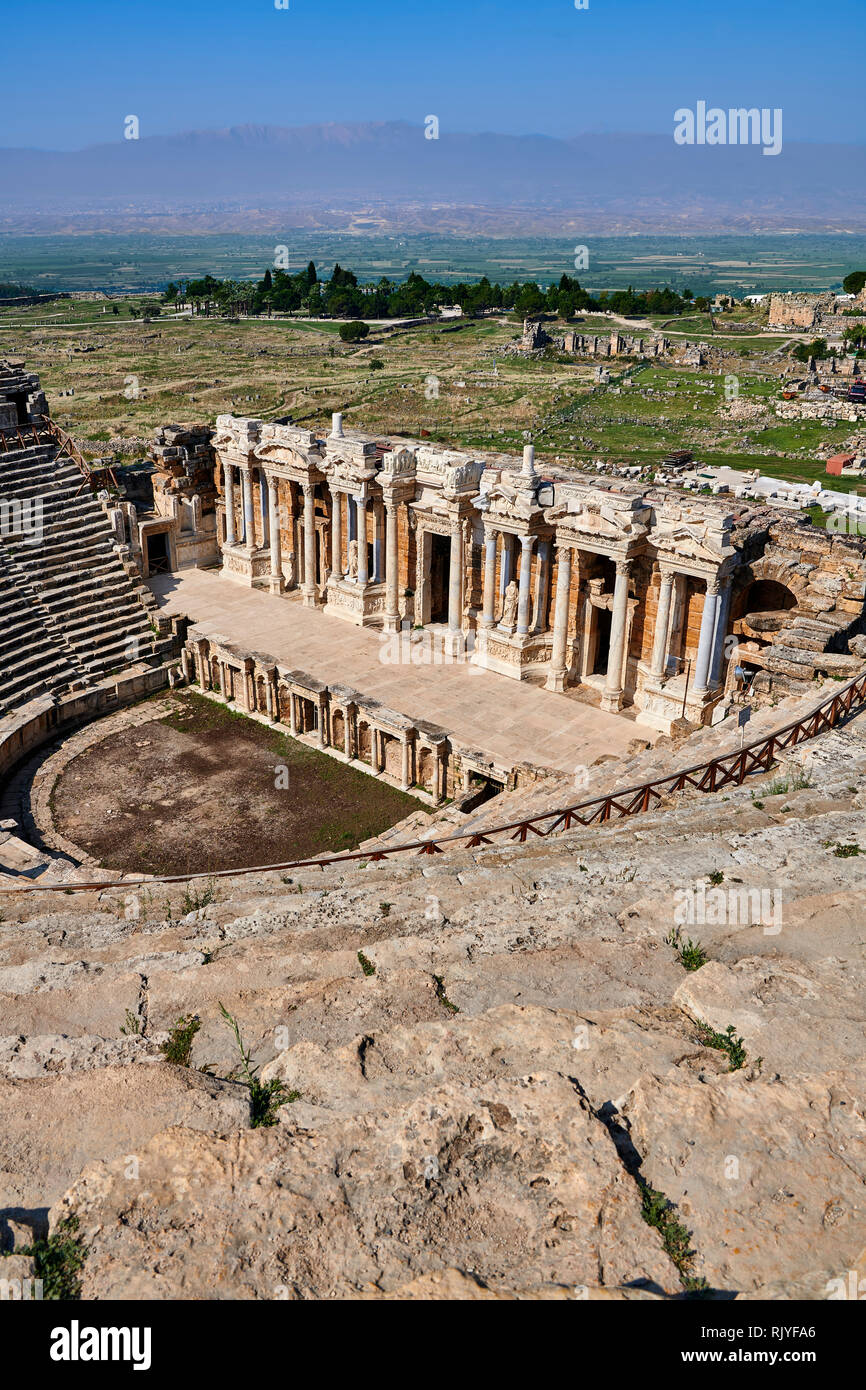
{"x":838,"y":462}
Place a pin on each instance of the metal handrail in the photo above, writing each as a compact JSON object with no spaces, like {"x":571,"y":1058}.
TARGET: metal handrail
{"x":628,"y":801}
{"x":50,"y":430}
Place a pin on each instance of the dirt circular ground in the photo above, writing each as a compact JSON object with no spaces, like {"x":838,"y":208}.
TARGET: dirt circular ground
{"x":206,"y":788}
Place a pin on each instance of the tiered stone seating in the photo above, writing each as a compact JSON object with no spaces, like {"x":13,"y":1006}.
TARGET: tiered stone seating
{"x":71,"y":612}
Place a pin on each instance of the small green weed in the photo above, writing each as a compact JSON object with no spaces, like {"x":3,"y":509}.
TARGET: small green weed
{"x":266,"y":1097}
{"x":59,"y":1260}
{"x":724,"y":1042}
{"x":443,"y":997}
{"x":178,"y":1048}
{"x":691,"y":953}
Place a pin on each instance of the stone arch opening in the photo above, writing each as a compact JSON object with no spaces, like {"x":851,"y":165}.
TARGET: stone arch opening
{"x":766,"y":596}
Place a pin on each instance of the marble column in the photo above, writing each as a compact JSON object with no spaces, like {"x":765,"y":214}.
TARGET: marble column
{"x":488,"y":617}
{"x":309,"y":546}
{"x":249,"y":526}
{"x":558,"y":670}
{"x":336,"y":536}
{"x":505,"y":564}
{"x":542,"y":586}
{"x":612,"y":697}
{"x":276,"y":584}
{"x":361,"y":510}
{"x":405,"y":777}
{"x":229,"y":488}
{"x":659,"y":661}
{"x":377,"y":542}
{"x":526,"y":545}
{"x":705,"y":640}
{"x":455,"y":577}
{"x":720,"y":633}
{"x":263,"y":503}
{"x":392,"y":600}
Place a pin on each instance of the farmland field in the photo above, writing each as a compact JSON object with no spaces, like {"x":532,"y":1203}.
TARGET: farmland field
{"x":736,"y":264}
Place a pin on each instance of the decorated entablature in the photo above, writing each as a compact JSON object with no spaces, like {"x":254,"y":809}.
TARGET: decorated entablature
{"x":589,"y":584}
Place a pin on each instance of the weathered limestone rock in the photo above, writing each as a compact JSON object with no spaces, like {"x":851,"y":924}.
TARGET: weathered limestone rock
{"x":52,"y":1127}
{"x":800,"y":1017}
{"x":764,"y":1173}
{"x":517,"y":1181}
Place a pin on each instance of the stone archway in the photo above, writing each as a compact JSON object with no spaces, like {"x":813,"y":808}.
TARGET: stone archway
{"x":765,"y":596}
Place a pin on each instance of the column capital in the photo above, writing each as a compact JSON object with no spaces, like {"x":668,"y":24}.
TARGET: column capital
{"x":528,"y":542}
{"x":714,"y":584}
{"x":667,"y":573}
{"x":623,"y":567}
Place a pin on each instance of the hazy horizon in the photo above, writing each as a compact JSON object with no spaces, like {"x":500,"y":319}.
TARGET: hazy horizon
{"x":545,"y":68}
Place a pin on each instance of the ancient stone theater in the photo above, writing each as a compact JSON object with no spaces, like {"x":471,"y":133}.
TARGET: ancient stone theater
{"x":646,"y":598}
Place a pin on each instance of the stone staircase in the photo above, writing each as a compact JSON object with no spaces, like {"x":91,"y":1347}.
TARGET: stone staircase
{"x":71,"y":613}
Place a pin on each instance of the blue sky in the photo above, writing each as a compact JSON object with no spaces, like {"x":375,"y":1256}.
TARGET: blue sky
{"x":509,"y":65}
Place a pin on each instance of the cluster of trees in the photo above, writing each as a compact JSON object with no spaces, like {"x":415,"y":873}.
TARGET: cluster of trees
{"x":817,"y":348}
{"x":853,"y":339}
{"x":342,"y":297}
{"x":853,"y":283}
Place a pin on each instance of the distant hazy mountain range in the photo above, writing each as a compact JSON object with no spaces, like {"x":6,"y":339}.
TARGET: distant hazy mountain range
{"x":388,"y":174}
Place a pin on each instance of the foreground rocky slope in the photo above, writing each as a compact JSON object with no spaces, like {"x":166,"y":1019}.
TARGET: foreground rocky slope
{"x":484,"y":1095}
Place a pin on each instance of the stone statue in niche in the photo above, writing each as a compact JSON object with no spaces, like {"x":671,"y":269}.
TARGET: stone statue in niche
{"x":353,"y":560}
{"x":509,"y":610}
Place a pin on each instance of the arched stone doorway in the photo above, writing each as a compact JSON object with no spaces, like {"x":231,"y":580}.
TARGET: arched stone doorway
{"x":765,"y":596}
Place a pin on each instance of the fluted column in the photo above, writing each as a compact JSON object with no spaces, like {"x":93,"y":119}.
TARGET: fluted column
{"x":526,"y":544}
{"x":612,"y":697}
{"x":361,"y":512}
{"x":309,"y":546}
{"x":336,"y":537}
{"x":455,"y":577}
{"x":276,"y":584}
{"x":229,"y":489}
{"x":488,"y":616}
{"x":249,"y":526}
{"x":705,"y":640}
{"x":558,"y":670}
{"x":663,"y":617}
{"x":392,"y":602}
